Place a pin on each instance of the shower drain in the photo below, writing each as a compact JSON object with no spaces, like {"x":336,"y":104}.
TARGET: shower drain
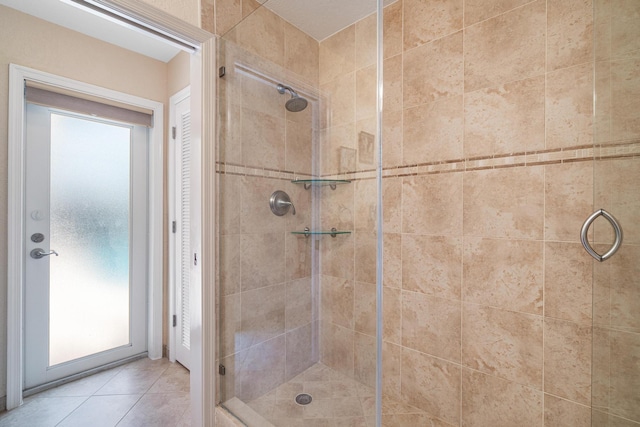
{"x":303,"y":399}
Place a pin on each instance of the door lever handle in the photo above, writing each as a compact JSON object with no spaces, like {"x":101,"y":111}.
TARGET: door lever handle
{"x":38,"y":253}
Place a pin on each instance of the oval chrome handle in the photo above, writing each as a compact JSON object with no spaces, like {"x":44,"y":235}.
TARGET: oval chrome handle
{"x":39,"y":253}
{"x":585,"y":230}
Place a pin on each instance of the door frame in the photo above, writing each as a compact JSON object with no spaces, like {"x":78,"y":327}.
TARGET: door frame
{"x":16,"y":179}
{"x":172,"y":153}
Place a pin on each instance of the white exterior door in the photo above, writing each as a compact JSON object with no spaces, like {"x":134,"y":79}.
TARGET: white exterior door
{"x":86,"y":233}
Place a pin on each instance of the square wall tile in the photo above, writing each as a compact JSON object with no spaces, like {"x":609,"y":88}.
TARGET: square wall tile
{"x":504,"y":273}
{"x":392,"y":29}
{"x":300,"y":351}
{"x":263,"y":140}
{"x":432,"y":204}
{"x":298,"y":304}
{"x":624,"y":286}
{"x":391,"y":368}
{"x":262,"y":260}
{"x":338,"y":301}
{"x":431,"y":325}
{"x":432,"y":265}
{"x":425,"y":21}
{"x":568,"y":199}
{"x":340,"y":95}
{"x":366,"y":42}
{"x":570,"y":33}
{"x":433,"y":71}
{"x":570,"y":107}
{"x":365,"y":308}
{"x":505,"y":119}
{"x":263,"y":314}
{"x":625,"y":99}
{"x":568,"y":282}
{"x":337,"y":348}
{"x":567,"y":360}
{"x":364,"y":361}
{"x":433,"y":132}
{"x":432,"y":385}
{"x":338,"y":54}
{"x":504,"y":203}
{"x":301,"y":54}
{"x":625,"y":377}
{"x":262,"y":33}
{"x":503,"y":343}
{"x":564,"y":413}
{"x":365,"y":258}
{"x":392,"y":260}
{"x":520,"y":35}
{"x":260,"y":369}
{"x":491,"y":401}
{"x":392,"y":315}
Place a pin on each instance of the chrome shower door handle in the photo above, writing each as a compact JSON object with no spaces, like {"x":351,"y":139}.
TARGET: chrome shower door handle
{"x":585,"y":231}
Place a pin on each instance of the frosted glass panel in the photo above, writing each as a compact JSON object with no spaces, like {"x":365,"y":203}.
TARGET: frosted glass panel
{"x":90,"y":195}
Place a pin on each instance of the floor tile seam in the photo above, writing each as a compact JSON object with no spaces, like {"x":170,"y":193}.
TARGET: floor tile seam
{"x":129,"y":410}
{"x":72,"y":411}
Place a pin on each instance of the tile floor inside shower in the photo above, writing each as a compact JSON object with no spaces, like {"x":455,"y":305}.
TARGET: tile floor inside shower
{"x":141,"y":393}
{"x":337,"y":401}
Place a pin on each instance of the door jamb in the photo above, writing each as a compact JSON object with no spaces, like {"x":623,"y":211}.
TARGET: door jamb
{"x":16,"y":254}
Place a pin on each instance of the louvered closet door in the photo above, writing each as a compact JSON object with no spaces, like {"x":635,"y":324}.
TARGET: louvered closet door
{"x":183,"y":229}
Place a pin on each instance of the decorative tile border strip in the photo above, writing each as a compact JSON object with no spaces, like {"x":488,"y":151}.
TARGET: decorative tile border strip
{"x":234,"y":169}
{"x":536,"y":158}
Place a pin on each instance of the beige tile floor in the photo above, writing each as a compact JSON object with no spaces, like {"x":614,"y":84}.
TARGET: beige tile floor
{"x":142,"y":393}
{"x":337,"y":401}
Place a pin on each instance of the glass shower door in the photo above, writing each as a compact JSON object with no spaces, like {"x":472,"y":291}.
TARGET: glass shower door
{"x":616,"y":281}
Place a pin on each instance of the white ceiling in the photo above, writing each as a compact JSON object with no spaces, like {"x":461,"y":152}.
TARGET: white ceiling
{"x":323,"y":18}
{"x":318,"y":18}
{"x":78,"y":19}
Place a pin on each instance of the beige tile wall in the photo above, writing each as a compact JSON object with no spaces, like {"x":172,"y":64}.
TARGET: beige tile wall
{"x":488,"y":292}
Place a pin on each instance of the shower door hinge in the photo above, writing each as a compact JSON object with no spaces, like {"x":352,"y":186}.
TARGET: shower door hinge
{"x":173,"y":226}
{"x":222,"y":72}
{"x":173,"y":132}
{"x":222,"y":370}
{"x":175,"y":320}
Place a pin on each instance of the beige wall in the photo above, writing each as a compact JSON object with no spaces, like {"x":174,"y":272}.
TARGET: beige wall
{"x":31,"y":42}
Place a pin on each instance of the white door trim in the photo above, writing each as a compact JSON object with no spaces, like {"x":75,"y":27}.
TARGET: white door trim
{"x":173,"y":209}
{"x":16,"y":254}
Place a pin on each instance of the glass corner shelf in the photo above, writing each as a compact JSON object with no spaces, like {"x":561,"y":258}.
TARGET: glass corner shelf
{"x":308,"y":183}
{"x":333,"y":232}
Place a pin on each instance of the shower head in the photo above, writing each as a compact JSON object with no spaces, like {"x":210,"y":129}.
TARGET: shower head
{"x":296,"y":103}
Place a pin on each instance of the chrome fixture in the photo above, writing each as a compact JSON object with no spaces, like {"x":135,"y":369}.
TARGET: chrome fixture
{"x":280,"y":203}
{"x":296,"y":103}
{"x":39,"y":253}
{"x":616,"y":229}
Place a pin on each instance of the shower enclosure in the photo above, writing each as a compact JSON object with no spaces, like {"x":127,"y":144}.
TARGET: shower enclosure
{"x":298,"y":199}
{"x":436,"y":224}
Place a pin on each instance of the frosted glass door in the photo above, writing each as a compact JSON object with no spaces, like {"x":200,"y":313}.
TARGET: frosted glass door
{"x":84,"y":305}
{"x":90,"y":213}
